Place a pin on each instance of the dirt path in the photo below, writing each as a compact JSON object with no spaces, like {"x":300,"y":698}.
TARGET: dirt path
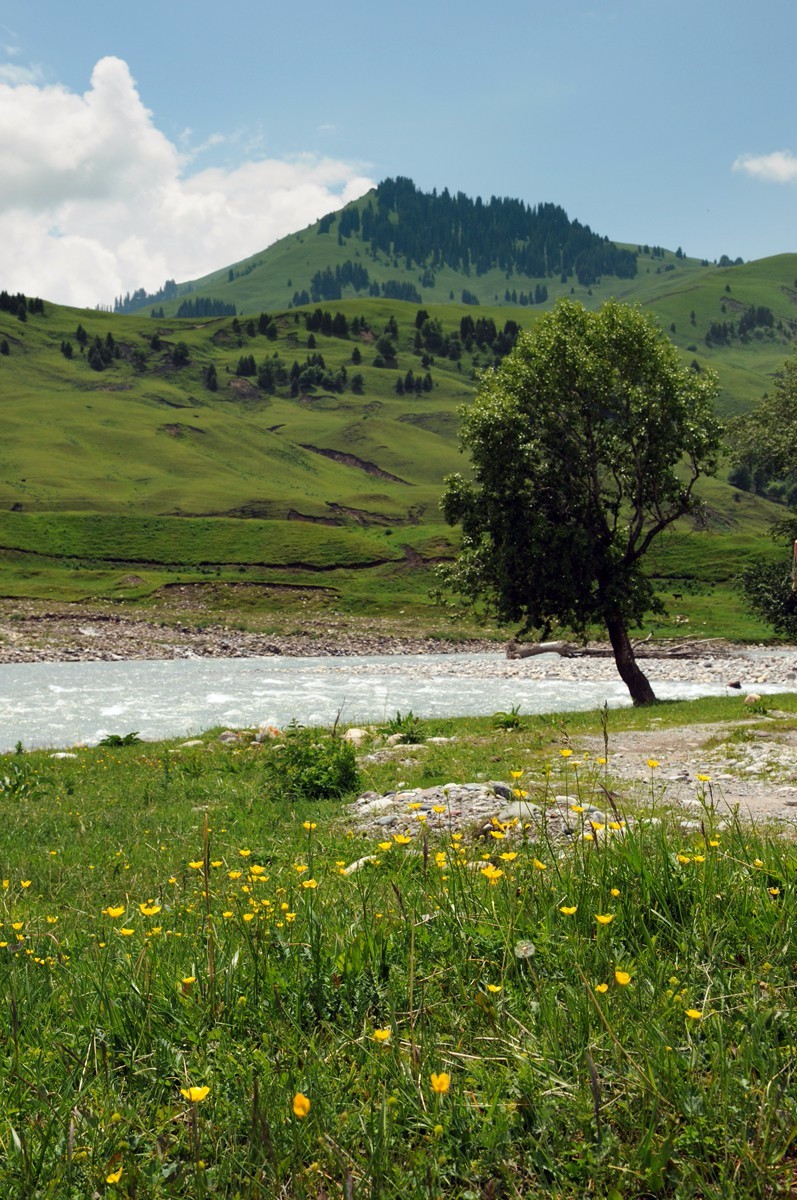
{"x":749,"y":765}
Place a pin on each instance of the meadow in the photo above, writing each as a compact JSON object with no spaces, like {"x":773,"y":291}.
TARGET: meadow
{"x":203,"y":999}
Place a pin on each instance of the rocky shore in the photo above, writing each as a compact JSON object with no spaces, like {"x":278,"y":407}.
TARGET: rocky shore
{"x":31,"y":633}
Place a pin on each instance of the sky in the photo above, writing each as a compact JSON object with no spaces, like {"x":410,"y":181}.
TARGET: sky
{"x":153,"y":140}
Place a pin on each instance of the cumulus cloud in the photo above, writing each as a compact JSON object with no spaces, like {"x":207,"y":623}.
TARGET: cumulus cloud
{"x":778,"y":167}
{"x":95,"y":201}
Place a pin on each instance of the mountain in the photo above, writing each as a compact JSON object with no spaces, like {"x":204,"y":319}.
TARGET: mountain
{"x":284,"y":440}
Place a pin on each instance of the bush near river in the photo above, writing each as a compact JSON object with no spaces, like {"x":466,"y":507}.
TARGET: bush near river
{"x":200,"y":999}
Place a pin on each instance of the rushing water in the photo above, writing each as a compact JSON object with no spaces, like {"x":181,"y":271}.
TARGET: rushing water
{"x":61,"y":704}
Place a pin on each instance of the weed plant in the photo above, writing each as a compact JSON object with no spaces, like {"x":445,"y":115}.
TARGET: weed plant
{"x":202,"y":999}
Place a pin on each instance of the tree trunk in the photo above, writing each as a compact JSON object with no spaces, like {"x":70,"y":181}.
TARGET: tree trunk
{"x":635,"y":679}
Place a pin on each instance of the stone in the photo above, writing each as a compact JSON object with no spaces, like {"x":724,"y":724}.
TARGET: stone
{"x":734,"y":683}
{"x":63,"y":754}
{"x":230,"y":737}
{"x":356,"y":736}
{"x":753,"y":698}
{"x":520,"y":810}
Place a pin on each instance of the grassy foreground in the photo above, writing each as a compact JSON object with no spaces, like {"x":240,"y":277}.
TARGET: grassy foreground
{"x":201,"y":1001}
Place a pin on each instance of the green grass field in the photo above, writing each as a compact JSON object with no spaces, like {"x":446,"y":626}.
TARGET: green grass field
{"x":201,"y":1001}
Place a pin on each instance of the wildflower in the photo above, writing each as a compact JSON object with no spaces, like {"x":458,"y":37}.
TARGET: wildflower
{"x":577,"y":808}
{"x":382,"y":1035}
{"x":438,"y":808}
{"x":508,"y":855}
{"x":149,"y":910}
{"x":195,"y":1095}
{"x":604,"y":918}
{"x":440,"y":1082}
{"x":414,"y":807}
{"x":492,"y":873}
{"x":244,"y":853}
{"x":521,"y":793}
{"x":622,"y":977}
{"x":757,"y":862}
{"x":525,"y":949}
{"x":401,"y":839}
{"x":683,"y":858}
{"x":290,"y":916}
{"x":601,"y":987}
{"x":248,"y":916}
{"x":126,"y":932}
{"x":114,"y":910}
{"x":188,"y":980}
{"x":234,"y":874}
{"x":773,"y":891}
{"x":615,"y":825}
{"x":699,"y":858}
{"x":568,"y":909}
{"x":598,"y":825}
{"x":495,"y":988}
{"x":257,"y":870}
{"x":515,"y":774}
{"x":385,"y":846}
{"x":694,"y":1013}
{"x":601,"y":761}
{"x":301,"y":1106}
{"x":25,"y":883}
{"x":539,"y":866}
{"x":114,"y":1176}
{"x":309,"y":883}
{"x":614,"y":892}
{"x":308,"y":825}
{"x":217,"y":862}
{"x":197,"y":865}
{"x":704,"y":778}
{"x":653,"y":763}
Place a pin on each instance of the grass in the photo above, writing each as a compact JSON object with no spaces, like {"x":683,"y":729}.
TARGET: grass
{"x":387,"y":1032}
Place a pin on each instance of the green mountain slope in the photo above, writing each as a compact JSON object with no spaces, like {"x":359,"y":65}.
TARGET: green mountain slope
{"x":316,"y":438}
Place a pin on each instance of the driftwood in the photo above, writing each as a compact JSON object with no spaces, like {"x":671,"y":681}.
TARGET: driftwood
{"x":641,"y":649}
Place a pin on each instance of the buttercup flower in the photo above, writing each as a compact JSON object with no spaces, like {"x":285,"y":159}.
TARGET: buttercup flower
{"x":440,"y":1082}
{"x":301,"y":1106}
{"x":195,"y":1095}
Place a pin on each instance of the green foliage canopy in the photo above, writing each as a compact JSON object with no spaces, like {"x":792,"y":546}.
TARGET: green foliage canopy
{"x":586,"y":444}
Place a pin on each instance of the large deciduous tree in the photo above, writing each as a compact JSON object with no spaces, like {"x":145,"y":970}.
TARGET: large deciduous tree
{"x":586,"y":444}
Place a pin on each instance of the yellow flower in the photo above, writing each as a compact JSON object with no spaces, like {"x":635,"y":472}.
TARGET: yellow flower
{"x":382,"y":1035}
{"x":188,"y":980}
{"x":25,"y":883}
{"x":490,"y":872}
{"x":699,"y":858}
{"x":653,"y":763}
{"x":566,"y":753}
{"x":234,"y":874}
{"x":604,"y":918}
{"x":244,"y":853}
{"x":774,"y":891}
{"x":576,"y":808}
{"x":508,"y":855}
{"x":614,"y":892}
{"x":149,"y":910}
{"x":602,"y":761}
{"x":114,"y":911}
{"x":497,"y":833}
{"x":757,"y":862}
{"x":416,"y":805}
{"x":694,"y":1013}
{"x":385,"y":846}
{"x":521,"y":793}
{"x":440,"y":1082}
{"x":195,"y":1094}
{"x":597,"y":825}
{"x":704,"y":778}
{"x":216,"y":862}
{"x":257,"y":870}
{"x":197,"y":865}
{"x":539,"y":866}
{"x":308,"y":825}
{"x":401,"y":839}
{"x":249,"y":916}
{"x":494,"y":988}
{"x":301,"y":1106}
{"x":601,"y":987}
{"x":438,"y":808}
{"x":126,"y":932}
{"x":114,"y":1176}
{"x":683,"y":858}
{"x":568,"y":909}
{"x":622,"y":977}
{"x":289,"y":916}
{"x":309,"y":883}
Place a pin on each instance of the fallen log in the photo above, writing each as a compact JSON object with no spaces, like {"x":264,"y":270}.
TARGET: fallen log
{"x":641,"y":650}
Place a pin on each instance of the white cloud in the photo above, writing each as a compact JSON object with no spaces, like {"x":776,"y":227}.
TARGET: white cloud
{"x":778,"y":167}
{"x":95,"y":201}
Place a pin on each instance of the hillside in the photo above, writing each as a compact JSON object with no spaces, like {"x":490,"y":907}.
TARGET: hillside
{"x":305,"y":445}
{"x":503,"y":255}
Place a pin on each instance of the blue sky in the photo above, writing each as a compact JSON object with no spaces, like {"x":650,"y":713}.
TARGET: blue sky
{"x":152,"y":140}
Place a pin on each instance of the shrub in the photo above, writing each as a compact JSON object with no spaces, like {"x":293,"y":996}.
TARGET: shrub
{"x":313,"y":766}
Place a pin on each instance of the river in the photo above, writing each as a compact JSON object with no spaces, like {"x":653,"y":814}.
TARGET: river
{"x":58,"y":705}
